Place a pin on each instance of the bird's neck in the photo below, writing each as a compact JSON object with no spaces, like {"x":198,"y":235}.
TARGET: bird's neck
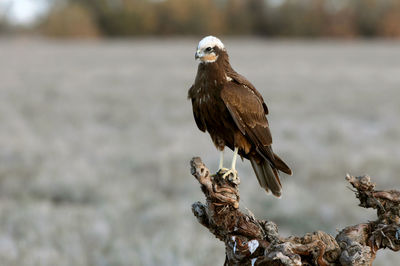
{"x":215,"y":72}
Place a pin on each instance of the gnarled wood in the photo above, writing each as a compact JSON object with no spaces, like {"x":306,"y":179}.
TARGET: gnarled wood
{"x":249,"y":241}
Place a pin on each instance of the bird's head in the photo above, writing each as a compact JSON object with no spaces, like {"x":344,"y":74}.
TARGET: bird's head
{"x":209,"y":49}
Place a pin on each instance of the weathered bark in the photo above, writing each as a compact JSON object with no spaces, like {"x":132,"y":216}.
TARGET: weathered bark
{"x":249,"y":241}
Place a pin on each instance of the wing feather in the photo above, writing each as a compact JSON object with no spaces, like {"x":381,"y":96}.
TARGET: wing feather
{"x":196,"y":110}
{"x":239,"y":79}
{"x":248,"y":111}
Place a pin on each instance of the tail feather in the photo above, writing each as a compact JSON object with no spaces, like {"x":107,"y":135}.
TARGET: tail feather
{"x":267,"y":176}
{"x":281,"y":165}
{"x":258,"y":170}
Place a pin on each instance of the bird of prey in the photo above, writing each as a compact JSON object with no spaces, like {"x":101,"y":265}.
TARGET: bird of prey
{"x":233,"y":112}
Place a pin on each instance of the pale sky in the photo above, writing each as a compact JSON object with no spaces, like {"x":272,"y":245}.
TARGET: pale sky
{"x":22,"y":11}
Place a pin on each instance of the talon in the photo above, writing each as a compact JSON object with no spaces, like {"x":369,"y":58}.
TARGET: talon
{"x":232,"y":176}
{"x":222,"y":171}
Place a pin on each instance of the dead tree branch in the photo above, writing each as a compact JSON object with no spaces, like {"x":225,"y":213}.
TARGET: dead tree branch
{"x":249,"y":241}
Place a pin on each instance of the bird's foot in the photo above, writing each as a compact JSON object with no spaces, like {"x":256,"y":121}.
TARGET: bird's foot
{"x":231,"y":174}
{"x":222,"y":170}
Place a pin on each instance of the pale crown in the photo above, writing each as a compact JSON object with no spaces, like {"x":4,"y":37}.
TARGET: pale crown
{"x":210,"y":41}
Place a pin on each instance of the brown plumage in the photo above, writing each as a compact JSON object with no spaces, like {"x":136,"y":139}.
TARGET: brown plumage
{"x":233,"y":112}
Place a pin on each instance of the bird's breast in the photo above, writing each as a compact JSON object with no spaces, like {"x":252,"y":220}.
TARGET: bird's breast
{"x":203,"y":100}
{"x":213,"y":110}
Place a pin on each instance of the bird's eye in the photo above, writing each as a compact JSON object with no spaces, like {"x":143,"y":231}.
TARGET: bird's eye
{"x":208,"y":49}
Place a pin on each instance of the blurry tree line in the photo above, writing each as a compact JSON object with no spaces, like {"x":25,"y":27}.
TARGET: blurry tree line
{"x":280,"y":18}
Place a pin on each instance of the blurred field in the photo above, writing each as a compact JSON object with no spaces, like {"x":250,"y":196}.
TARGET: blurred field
{"x":96,"y":138}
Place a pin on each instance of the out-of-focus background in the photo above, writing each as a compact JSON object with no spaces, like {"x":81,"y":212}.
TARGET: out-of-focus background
{"x":96,"y":131}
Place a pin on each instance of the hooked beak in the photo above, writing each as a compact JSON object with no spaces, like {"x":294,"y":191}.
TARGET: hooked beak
{"x":198,"y":55}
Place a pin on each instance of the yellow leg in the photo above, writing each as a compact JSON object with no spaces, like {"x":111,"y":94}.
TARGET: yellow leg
{"x":235,"y":153}
{"x":221,"y":160}
{"x":233,"y":171}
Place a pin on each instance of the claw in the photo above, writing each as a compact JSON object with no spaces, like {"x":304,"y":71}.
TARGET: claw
{"x":231,"y":174}
{"x":222,"y":171}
